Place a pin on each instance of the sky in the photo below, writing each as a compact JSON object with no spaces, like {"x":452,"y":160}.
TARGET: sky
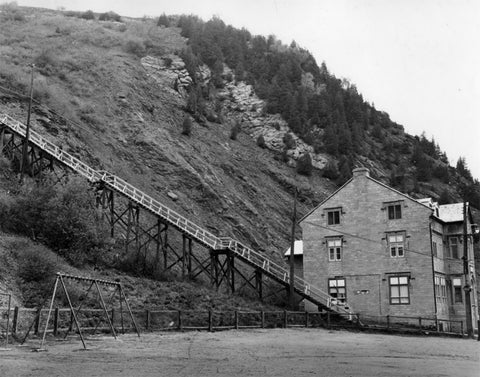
{"x":417,"y":60}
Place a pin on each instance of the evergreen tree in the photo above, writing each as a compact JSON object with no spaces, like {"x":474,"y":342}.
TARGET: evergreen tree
{"x":304,"y":165}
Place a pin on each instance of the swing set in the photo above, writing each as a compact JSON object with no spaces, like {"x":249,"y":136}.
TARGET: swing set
{"x":94,"y":283}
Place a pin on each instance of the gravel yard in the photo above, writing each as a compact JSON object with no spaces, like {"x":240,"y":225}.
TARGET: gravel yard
{"x":278,"y":352}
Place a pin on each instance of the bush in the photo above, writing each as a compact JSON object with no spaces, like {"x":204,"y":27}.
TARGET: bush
{"x":304,"y":165}
{"x":237,"y":127}
{"x":330,"y":171}
{"x":187,"y":126}
{"x":11,"y":12}
{"x":88,"y":15}
{"x":135,"y":47}
{"x":63,"y":217}
{"x":261,"y":142}
{"x":289,"y":141}
{"x":110,"y":16}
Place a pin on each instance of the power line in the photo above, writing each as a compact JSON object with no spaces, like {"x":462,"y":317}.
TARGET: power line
{"x":362,"y":238}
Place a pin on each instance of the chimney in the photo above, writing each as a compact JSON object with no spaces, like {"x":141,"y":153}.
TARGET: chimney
{"x":360,"y":172}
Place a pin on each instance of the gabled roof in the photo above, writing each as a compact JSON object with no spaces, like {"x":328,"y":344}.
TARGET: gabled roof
{"x":297,"y":249}
{"x":370,"y":178}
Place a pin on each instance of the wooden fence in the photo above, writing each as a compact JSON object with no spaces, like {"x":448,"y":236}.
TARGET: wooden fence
{"x":93,"y":320}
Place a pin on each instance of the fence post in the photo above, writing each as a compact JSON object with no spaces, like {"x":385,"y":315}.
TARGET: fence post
{"x":420,"y":322}
{"x":179,"y":316}
{"x":306,"y":319}
{"x":236,"y":320}
{"x":285,"y":319}
{"x":147,"y":321}
{"x":262,"y":316}
{"x":55,"y":321}
{"x":210,"y":320}
{"x":388,"y":322}
{"x":15,"y":320}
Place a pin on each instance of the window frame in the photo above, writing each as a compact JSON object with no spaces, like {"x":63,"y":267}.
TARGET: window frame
{"x":396,"y":245}
{"x":456,"y":244}
{"x":394,"y":211}
{"x":457,"y":288}
{"x":333,"y":289}
{"x":334,"y":216}
{"x":398,"y":287}
{"x":335,"y":251}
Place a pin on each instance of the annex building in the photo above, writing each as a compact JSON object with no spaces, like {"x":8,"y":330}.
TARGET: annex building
{"x":385,"y":253}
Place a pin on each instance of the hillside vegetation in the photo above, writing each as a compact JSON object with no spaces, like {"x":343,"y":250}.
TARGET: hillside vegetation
{"x":216,"y":123}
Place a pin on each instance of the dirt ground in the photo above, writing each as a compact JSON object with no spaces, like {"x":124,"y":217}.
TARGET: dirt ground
{"x":278,"y":352}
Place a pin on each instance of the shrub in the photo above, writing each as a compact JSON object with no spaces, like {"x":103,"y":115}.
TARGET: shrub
{"x":63,"y":217}
{"x":88,"y":15}
{"x":187,"y":126}
{"x":289,"y":141}
{"x":11,"y":12}
{"x":110,"y":16}
{"x":330,"y":171}
{"x":304,"y":165}
{"x":261,"y":142}
{"x":135,"y":47}
{"x":237,"y":127}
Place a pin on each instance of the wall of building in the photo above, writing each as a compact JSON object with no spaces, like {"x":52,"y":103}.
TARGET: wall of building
{"x":366,"y":263}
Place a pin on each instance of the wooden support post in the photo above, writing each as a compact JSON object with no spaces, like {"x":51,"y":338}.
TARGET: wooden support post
{"x":15,"y":320}
{"x":262,"y":318}
{"x":179,"y":319}
{"x":259,"y":284}
{"x":184,"y":255}
{"x":129,"y":226}
{"x":189,"y":266}
{"x":420,"y":322}
{"x":56,"y":315}
{"x":236,"y":319}
{"x":112,"y":316}
{"x":112,"y":214}
{"x":105,"y":310}
{"x":232,"y":271}
{"x":158,"y":244}
{"x":147,"y":321}
{"x":164,"y":247}
{"x":137,"y":232}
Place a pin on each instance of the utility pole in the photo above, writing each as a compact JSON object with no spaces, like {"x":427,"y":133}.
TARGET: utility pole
{"x":292,"y":253}
{"x":467,"y":288}
{"x":27,"y":132}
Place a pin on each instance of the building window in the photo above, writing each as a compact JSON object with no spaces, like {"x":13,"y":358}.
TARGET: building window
{"x":399,"y":290}
{"x":394,"y":211}
{"x":334,"y":247}
{"x":337,"y":289}
{"x":457,"y":291}
{"x":333,"y":216}
{"x":453,"y":245}
{"x":440,"y":289}
{"x":396,"y":244}
{"x":434,"y":249}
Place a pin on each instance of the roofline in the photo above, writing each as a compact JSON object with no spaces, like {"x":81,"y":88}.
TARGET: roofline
{"x":325,"y":200}
{"x":348,"y":182}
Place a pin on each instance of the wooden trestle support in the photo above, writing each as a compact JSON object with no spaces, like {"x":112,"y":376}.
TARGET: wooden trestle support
{"x":156,"y":238}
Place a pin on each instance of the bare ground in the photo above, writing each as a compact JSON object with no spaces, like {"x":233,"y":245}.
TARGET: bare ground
{"x":279,"y":352}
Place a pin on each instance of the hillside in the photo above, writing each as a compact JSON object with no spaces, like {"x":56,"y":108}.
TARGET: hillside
{"x":116,"y":94}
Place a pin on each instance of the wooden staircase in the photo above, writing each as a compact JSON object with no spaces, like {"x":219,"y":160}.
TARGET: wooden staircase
{"x":245,"y":254}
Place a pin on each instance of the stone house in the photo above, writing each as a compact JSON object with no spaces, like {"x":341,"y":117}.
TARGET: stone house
{"x":386,"y":253}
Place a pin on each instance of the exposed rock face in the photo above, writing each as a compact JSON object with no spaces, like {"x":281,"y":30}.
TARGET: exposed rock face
{"x":168,"y":71}
{"x":241,"y":102}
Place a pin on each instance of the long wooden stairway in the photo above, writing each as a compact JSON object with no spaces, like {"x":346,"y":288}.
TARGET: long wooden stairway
{"x":194,"y":231}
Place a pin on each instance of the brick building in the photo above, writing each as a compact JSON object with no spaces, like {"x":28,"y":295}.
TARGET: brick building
{"x":386,"y":253}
